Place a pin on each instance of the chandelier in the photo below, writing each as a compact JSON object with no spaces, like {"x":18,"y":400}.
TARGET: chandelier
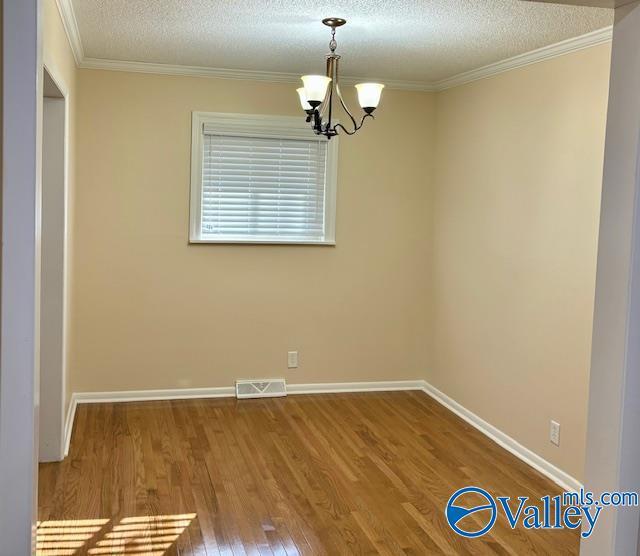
{"x":320,"y":94}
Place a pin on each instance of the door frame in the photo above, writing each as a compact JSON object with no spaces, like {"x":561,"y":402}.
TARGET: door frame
{"x":20,"y":273}
{"x":52,"y":407}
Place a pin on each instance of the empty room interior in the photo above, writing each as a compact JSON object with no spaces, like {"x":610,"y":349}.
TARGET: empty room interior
{"x":321,"y":278}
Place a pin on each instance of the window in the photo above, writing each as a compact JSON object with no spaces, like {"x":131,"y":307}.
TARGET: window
{"x":261,"y":179}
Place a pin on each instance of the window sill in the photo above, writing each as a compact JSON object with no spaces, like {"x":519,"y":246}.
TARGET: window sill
{"x":256,"y":241}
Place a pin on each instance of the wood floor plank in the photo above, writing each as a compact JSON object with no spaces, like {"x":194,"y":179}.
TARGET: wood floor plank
{"x":332,"y":474}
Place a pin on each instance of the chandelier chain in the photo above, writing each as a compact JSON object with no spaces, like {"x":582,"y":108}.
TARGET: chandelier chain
{"x":332,"y":43}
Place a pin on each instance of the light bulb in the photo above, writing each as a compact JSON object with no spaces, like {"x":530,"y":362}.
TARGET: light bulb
{"x":315,"y":88}
{"x":303,"y":99}
{"x":369,"y":95}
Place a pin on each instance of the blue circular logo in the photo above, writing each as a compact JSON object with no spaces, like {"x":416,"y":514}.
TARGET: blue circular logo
{"x":458,"y":512}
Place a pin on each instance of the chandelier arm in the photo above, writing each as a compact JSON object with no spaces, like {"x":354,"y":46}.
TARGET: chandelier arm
{"x":335,"y":128}
{"x":327,"y":97}
{"x":342,"y":102}
{"x":328,"y":126}
{"x":317,"y":123}
{"x":356,"y":127}
{"x":346,"y":109}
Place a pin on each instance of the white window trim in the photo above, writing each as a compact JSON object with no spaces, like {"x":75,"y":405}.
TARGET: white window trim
{"x":289,"y":127}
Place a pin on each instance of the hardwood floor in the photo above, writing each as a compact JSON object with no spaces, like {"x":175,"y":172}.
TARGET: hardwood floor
{"x":330,"y":474}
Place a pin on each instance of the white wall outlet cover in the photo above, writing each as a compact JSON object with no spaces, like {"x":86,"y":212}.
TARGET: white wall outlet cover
{"x":292,"y":359}
{"x":554,"y":433}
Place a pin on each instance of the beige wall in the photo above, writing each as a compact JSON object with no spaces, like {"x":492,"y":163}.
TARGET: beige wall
{"x":516,"y":203}
{"x":151,"y":311}
{"x":58,"y":58}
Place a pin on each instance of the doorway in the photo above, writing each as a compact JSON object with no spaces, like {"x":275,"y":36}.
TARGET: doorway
{"x":53,"y":270}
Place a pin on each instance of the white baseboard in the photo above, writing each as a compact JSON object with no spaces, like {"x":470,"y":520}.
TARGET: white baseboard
{"x":154,"y":395}
{"x":229,"y":391}
{"x":344,"y":387}
{"x":562,"y":479}
{"x":68,"y":424}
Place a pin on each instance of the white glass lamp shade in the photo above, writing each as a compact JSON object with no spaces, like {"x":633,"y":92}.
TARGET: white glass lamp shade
{"x":303,"y":99}
{"x":369,"y":95}
{"x":315,"y":88}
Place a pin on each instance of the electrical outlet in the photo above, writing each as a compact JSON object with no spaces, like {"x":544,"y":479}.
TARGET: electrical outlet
{"x":554,"y":433}
{"x":292,"y":359}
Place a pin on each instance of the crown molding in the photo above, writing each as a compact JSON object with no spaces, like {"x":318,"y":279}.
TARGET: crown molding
{"x":70,"y":24}
{"x":222,"y":73}
{"x":65,"y":7}
{"x":567,"y":46}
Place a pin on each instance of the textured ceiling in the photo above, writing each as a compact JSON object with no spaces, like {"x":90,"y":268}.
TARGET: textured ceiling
{"x":412,"y":40}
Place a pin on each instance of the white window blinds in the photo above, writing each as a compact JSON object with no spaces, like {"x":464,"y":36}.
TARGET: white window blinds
{"x":262,"y":185}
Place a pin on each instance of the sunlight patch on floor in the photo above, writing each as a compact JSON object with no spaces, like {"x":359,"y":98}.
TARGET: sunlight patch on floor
{"x":139,"y":535}
{"x":66,"y":537}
